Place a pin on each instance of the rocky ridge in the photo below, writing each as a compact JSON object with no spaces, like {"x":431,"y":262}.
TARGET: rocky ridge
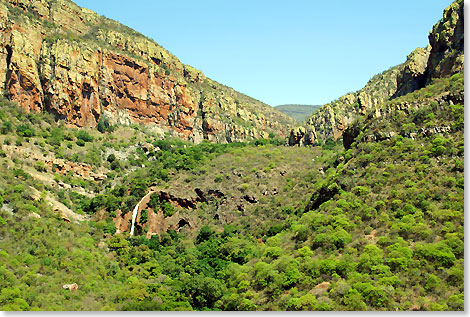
{"x":332,"y":119}
{"x":82,"y":67}
{"x":443,"y":56}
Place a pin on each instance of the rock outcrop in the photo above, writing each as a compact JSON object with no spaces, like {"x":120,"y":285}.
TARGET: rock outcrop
{"x":414,"y":72}
{"x":82,"y":67}
{"x":71,"y":287}
{"x":330,"y":121}
{"x":443,"y":56}
{"x":447,"y":43}
{"x":57,"y":165}
{"x":156,"y":222}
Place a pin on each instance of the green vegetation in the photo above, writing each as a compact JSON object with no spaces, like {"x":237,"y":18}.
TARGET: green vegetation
{"x":383,"y":229}
{"x":374,"y":223}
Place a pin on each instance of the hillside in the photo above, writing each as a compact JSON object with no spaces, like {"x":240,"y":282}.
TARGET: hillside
{"x":85,"y":68}
{"x":442,"y":57}
{"x":298,"y":112}
{"x":236,"y":227}
{"x":368,"y":217}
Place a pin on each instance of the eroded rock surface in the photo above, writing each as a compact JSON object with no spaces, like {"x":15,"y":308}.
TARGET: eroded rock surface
{"x":443,"y":56}
{"x":60,"y":58}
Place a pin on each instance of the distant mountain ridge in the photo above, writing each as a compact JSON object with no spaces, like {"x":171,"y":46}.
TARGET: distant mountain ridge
{"x":60,"y":58}
{"x":297,"y":111}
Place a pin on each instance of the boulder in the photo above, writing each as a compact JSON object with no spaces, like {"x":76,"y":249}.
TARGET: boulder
{"x":71,"y":287}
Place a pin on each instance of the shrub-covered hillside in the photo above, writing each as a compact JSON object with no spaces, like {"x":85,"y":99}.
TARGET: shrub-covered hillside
{"x":383,"y":229}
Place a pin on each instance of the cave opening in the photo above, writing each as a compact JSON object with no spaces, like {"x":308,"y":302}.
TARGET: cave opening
{"x":182,"y":223}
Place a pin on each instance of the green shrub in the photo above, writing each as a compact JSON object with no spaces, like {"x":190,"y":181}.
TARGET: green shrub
{"x":168,"y":209}
{"x":25,"y":130}
{"x":154,"y":201}
{"x":438,"y":252}
{"x":205,"y":233}
{"x":104,"y":125}
{"x":144,"y":216}
{"x":219,"y":178}
{"x":273,"y":252}
{"x":84,"y":136}
{"x":6,"y":127}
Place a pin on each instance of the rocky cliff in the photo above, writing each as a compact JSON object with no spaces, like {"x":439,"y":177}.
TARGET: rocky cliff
{"x":67,"y":60}
{"x":447,"y":43}
{"x":444,"y":56}
{"x":332,"y":119}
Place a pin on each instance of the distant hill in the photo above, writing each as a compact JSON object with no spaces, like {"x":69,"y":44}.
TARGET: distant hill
{"x":298,"y":112}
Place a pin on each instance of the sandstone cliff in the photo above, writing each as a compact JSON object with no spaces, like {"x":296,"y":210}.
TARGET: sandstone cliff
{"x":67,"y":60}
{"x":444,"y":56}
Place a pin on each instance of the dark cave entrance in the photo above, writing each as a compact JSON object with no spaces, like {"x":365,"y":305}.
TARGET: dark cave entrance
{"x":182,"y":223}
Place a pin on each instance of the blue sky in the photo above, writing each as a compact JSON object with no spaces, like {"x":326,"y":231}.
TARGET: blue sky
{"x":279,"y":52}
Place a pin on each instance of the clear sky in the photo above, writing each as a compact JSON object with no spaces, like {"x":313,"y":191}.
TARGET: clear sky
{"x":280,"y":52}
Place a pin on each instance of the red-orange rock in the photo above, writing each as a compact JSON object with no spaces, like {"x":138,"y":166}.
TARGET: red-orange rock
{"x":87,"y":65}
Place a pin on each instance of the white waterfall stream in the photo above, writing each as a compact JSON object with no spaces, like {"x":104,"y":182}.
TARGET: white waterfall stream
{"x":135,"y":211}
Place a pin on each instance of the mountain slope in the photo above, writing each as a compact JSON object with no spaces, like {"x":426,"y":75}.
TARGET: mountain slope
{"x":401,"y":183}
{"x":371,"y":221}
{"x":83,"y":68}
{"x":376,"y":226}
{"x":443,"y":57}
{"x":330,"y":120}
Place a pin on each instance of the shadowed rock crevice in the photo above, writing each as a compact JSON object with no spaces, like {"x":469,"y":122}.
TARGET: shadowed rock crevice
{"x":9,"y":53}
{"x":182,"y":223}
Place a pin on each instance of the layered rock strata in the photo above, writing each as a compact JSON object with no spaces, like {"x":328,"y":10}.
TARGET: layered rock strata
{"x":82,"y":67}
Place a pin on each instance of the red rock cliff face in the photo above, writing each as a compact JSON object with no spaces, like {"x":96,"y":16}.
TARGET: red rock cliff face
{"x":60,"y":58}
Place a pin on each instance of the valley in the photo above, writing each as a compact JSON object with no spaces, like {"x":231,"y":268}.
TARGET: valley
{"x":131,"y":182}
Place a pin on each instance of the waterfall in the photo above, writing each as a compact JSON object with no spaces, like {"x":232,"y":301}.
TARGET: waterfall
{"x":135,"y":211}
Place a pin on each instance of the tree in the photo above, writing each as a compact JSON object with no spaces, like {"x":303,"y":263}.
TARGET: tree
{"x":25,"y":130}
{"x":6,"y":127}
{"x":104,"y":125}
{"x":84,"y":136}
{"x":205,"y":233}
{"x":340,"y":238}
{"x":354,"y":301}
{"x":438,"y":252}
{"x":56,"y":137}
{"x":168,"y":209}
{"x":398,"y":257}
{"x":371,"y":256}
{"x":203,"y":291}
{"x":305,"y":252}
{"x":144,"y":216}
{"x":115,"y":164}
{"x":154,"y":201}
